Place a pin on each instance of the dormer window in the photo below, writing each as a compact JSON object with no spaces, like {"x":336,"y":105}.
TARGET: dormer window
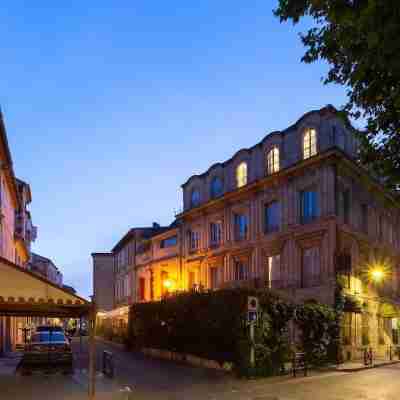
{"x":241,"y":174}
{"x":195,"y":198}
{"x":216,"y":187}
{"x":309,"y":143}
{"x":273,"y":161}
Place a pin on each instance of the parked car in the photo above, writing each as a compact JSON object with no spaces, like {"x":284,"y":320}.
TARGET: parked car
{"x":47,"y":350}
{"x":48,"y":328}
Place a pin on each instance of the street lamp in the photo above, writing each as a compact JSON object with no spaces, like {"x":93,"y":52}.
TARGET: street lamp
{"x":377,"y":273}
{"x":169,"y":284}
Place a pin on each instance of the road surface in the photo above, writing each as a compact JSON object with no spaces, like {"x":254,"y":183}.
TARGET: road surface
{"x":153,"y":379}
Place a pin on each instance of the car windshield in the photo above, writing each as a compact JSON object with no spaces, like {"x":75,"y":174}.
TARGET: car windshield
{"x":48,"y":337}
{"x":49,"y":328}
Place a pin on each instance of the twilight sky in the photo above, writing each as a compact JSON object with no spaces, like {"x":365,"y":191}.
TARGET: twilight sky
{"x":111,"y":106}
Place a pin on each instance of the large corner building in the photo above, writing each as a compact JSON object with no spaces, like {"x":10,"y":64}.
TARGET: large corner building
{"x":296,"y":213}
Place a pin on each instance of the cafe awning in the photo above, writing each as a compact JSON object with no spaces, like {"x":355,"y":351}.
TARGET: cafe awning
{"x":23,"y":293}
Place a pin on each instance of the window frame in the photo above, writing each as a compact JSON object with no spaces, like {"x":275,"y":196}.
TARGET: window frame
{"x":272,"y":160}
{"x":242,"y":178}
{"x":311,"y":279}
{"x":305,"y":218}
{"x":164,"y":244}
{"x":312,"y":146}
{"x":272,"y":228}
{"x":214,"y":194}
{"x":237,"y":227}
{"x":214,"y":281}
{"x":241,"y":271}
{"x":215,"y":236}
{"x":195,"y":203}
{"x":194,"y":238}
{"x":270,"y":261}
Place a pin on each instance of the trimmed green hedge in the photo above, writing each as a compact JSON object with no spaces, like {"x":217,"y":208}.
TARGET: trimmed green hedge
{"x":213,"y":325}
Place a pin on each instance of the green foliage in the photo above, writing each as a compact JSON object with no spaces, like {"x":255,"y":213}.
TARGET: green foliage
{"x":317,"y":323}
{"x":359,"y":39}
{"x":213,"y":325}
{"x":206,"y":324}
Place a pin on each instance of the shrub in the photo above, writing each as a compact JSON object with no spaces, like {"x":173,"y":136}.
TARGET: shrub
{"x":318,"y":326}
{"x":213,"y":325}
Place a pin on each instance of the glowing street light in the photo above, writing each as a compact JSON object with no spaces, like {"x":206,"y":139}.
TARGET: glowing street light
{"x":377,"y":274}
{"x":168,"y":284}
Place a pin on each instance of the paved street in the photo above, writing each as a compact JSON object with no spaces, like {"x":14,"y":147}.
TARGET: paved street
{"x":157,"y":379}
{"x":152,"y":379}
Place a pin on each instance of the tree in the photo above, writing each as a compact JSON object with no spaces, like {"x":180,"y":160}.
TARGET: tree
{"x":360,"y":41}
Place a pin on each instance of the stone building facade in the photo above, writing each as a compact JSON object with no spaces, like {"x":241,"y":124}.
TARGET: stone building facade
{"x":16,"y":231}
{"x":295,"y":213}
{"x":46,"y":268}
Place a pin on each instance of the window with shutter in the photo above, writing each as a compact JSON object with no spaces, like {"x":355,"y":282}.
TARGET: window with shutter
{"x":241,"y":226}
{"x":272,"y":217}
{"x":311,"y":269}
{"x":308,"y":206}
{"x":213,"y":278}
{"x":274,"y":271}
{"x":241,"y":271}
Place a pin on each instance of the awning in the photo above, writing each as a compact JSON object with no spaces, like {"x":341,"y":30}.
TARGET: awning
{"x":23,"y":293}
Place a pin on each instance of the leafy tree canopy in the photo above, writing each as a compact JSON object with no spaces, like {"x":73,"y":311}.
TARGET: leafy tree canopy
{"x":360,"y":39}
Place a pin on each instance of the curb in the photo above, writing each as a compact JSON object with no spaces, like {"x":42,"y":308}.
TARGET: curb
{"x":363,"y":368}
{"x":110,"y":342}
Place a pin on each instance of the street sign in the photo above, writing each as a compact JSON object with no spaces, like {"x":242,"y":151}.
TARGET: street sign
{"x":252,"y":303}
{"x":251,"y":316}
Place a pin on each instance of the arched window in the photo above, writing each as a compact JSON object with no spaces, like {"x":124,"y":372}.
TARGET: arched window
{"x":273,"y":160}
{"x":195,"y":198}
{"x":216,"y":187}
{"x":241,"y":174}
{"x":309,"y":143}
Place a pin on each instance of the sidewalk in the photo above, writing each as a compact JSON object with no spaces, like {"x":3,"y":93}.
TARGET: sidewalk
{"x":354,"y":366}
{"x":9,"y":363}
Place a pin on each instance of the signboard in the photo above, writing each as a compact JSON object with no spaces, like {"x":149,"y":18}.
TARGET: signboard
{"x":252,"y":309}
{"x":252,"y":303}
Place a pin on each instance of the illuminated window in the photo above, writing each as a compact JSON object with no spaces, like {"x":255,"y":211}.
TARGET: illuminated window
{"x":195,"y":198}
{"x":241,"y":175}
{"x":274,"y":271}
{"x":309,"y":143}
{"x":273,"y":161}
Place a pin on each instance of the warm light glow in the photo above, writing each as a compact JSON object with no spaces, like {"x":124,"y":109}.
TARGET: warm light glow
{"x":168,"y":284}
{"x":377,"y":274}
{"x":101,"y":314}
{"x":241,"y":174}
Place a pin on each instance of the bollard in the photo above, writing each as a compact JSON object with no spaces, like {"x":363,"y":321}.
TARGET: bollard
{"x":108,"y":364}
{"x":125,"y":393}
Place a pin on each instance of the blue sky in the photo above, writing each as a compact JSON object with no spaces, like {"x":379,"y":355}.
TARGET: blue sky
{"x":111,"y":106}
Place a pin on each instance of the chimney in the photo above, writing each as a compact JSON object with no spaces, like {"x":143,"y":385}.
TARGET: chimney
{"x":156,"y":225}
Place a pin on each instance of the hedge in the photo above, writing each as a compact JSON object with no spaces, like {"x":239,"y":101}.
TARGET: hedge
{"x":213,"y":325}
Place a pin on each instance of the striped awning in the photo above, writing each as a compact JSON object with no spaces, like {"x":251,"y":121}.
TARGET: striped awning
{"x":23,"y":293}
